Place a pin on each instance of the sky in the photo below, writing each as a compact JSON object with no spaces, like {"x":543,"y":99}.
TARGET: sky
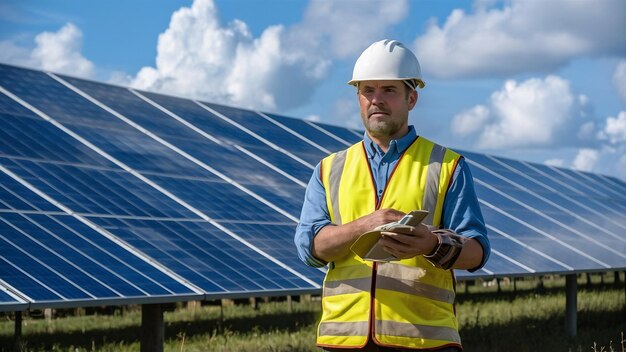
{"x":542,"y":81}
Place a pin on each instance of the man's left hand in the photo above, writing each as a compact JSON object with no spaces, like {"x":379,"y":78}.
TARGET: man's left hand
{"x":410,"y":242}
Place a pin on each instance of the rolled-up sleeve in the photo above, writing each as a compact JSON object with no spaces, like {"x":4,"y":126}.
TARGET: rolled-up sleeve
{"x":313,"y":218}
{"x":461,"y":210}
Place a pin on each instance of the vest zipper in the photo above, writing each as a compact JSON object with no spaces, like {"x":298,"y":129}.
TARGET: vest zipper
{"x":377,"y":203}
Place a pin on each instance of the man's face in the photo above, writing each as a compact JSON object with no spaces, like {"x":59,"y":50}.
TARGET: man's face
{"x":385,"y":107}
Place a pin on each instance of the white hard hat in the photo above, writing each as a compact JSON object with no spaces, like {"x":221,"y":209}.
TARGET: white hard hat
{"x":387,"y":60}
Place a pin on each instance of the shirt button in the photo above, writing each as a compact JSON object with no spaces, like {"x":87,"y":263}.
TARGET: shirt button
{"x":380,"y":191}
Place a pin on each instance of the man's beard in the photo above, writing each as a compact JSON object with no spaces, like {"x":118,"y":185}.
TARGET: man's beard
{"x":382,"y":127}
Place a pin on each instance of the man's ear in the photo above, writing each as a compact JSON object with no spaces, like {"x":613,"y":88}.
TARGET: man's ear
{"x":413,"y":96}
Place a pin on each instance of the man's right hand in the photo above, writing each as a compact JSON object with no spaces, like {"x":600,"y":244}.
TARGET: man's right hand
{"x":334,"y":241}
{"x":377,"y":218}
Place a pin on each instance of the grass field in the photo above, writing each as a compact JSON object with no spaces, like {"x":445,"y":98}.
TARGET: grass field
{"x":529,"y":319}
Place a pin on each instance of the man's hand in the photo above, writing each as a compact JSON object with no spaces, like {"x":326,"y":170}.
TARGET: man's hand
{"x":417,"y":240}
{"x":377,"y":218}
{"x":334,"y":241}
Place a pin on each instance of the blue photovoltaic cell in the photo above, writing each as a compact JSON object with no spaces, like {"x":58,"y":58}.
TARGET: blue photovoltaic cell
{"x":528,"y":248}
{"x":600,"y":245}
{"x":586,"y":185}
{"x":101,"y":128}
{"x":15,"y":196}
{"x":147,"y":155}
{"x":611,"y":207}
{"x":276,"y":240}
{"x":271,"y":132}
{"x":567,"y":200}
{"x":62,"y":259}
{"x":219,"y":200}
{"x":19,"y":277}
{"x":310,"y":132}
{"x":53,"y":98}
{"x":96,"y":190}
{"x":224,"y":158}
{"x":612,"y":183}
{"x":342,"y":133}
{"x":232,"y":135}
{"x":203,"y":119}
{"x":204,"y":255}
{"x":24,"y":135}
{"x":588,"y":242}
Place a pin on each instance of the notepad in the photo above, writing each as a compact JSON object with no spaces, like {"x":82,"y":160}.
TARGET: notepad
{"x":368,"y":247}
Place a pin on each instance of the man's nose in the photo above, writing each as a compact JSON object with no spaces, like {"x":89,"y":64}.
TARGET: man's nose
{"x":377,"y":98}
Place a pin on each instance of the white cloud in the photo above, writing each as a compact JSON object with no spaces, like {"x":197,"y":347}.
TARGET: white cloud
{"x":533,"y":113}
{"x":61,"y":52}
{"x":348,"y":26}
{"x":199,"y":57}
{"x":615,"y":129}
{"x":521,"y":36}
{"x":54,"y":51}
{"x":608,"y":160}
{"x":619,"y":79}
{"x":585,"y":159}
{"x":470,"y":121}
{"x":609,"y":154}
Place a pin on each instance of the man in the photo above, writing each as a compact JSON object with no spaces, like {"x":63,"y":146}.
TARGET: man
{"x":408,"y":303}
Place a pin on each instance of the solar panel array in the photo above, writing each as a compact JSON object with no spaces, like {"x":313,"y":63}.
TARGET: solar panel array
{"x":110,"y":195}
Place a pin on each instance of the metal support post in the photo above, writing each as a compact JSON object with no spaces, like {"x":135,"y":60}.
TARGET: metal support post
{"x":152,"y":329}
{"x":571,"y":287}
{"x":18,"y":331}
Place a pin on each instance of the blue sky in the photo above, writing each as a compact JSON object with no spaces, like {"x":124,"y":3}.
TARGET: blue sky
{"x":531,"y":80}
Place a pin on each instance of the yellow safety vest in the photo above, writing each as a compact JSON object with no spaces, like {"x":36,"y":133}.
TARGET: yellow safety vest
{"x":407,"y":303}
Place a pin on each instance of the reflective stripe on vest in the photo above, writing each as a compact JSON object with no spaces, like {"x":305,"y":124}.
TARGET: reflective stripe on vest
{"x":432,"y":182}
{"x":419,"y":181}
{"x":392,"y":277}
{"x":335,"y":177}
{"x":391,"y":328}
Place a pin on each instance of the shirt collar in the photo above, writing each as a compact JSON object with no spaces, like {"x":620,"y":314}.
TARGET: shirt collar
{"x":396,"y":145}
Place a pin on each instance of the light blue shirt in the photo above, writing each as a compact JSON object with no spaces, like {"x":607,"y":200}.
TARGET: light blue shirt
{"x":461,"y":211}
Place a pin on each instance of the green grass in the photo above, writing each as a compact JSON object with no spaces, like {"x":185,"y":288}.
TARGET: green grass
{"x":526,"y":320}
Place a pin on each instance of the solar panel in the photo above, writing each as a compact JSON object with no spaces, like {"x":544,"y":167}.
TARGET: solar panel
{"x":308,"y":131}
{"x":225,"y":159}
{"x":343,"y":133}
{"x":50,"y":257}
{"x":209,"y":123}
{"x":267,"y":130}
{"x":109,"y":194}
{"x":554,"y":224}
{"x":204,"y":255}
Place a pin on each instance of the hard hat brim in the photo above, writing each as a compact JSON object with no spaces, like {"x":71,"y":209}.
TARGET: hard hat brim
{"x":420,"y":83}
